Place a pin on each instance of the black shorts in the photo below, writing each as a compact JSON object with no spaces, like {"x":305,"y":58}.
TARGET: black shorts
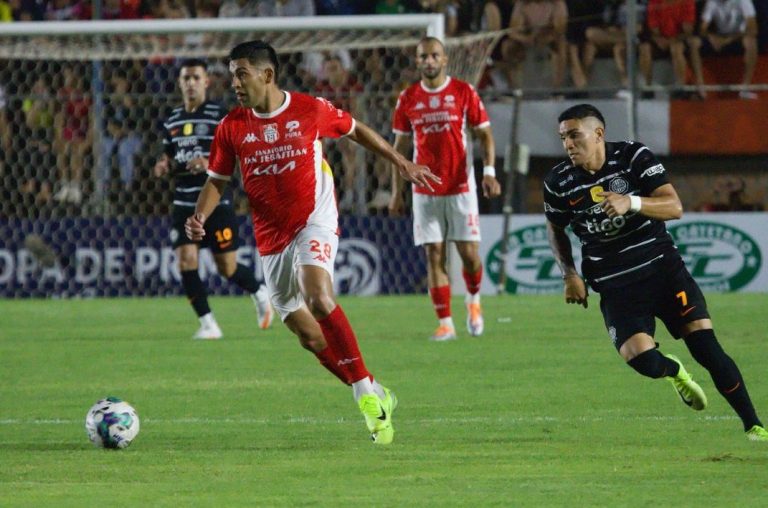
{"x":670,"y":294}
{"x":221,"y":229}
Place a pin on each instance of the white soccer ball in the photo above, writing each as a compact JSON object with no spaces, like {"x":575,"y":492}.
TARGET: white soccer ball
{"x":112,"y":423}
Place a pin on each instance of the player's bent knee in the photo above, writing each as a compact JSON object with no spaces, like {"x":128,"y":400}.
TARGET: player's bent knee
{"x":320,"y":304}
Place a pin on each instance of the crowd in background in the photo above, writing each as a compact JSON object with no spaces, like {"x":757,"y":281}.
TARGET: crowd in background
{"x":49,"y":148}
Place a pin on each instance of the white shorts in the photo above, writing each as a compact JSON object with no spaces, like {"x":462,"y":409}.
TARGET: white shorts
{"x":445,"y":218}
{"x":313,"y":245}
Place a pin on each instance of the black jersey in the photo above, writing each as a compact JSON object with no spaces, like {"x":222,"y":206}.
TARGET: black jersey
{"x":615,"y":251}
{"x":188,"y":135}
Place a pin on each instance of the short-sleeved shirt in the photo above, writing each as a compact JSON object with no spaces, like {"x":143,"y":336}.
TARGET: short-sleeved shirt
{"x":616,"y":251}
{"x":728,"y":16}
{"x":670,"y":17}
{"x":280,"y":156}
{"x":188,"y":135}
{"x":437,"y":119}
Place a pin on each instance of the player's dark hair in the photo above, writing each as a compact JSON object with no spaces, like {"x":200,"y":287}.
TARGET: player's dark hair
{"x":581,"y":111}
{"x":194,"y":62}
{"x":256,"y":52}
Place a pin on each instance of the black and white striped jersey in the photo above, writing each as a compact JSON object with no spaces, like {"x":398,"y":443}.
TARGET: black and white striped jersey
{"x":615,"y":251}
{"x":187,"y":136}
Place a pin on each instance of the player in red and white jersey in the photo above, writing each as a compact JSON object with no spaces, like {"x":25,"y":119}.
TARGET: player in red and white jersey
{"x":434,"y":114}
{"x":276,"y":139}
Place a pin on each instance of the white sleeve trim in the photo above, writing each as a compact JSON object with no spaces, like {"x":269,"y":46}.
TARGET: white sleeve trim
{"x":403,"y":133}
{"x":354,"y":124}
{"x":483,"y":125}
{"x":218,"y":176}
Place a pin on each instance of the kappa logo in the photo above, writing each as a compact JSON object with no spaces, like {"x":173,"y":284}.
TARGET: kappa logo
{"x":250,"y":138}
{"x":419,"y":105}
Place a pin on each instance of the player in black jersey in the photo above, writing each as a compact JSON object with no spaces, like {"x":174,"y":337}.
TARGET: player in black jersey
{"x":187,"y":141}
{"x":616,"y":197}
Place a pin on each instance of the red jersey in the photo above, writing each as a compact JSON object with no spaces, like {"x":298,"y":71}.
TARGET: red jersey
{"x":281,"y":163}
{"x":669,"y":17}
{"x":438,"y":118}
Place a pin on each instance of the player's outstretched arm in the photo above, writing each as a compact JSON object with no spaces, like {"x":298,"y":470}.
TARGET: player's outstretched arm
{"x":209,"y":197}
{"x":575,"y":289}
{"x":370,"y":140}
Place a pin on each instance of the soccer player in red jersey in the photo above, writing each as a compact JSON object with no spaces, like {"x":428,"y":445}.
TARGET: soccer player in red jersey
{"x":275,"y":137}
{"x":435,"y":112}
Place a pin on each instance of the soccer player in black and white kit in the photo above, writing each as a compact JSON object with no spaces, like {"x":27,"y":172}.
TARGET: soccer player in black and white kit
{"x":616,"y":197}
{"x":189,"y":131}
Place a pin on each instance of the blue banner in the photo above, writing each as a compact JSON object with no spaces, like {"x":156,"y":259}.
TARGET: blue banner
{"x":132,"y":256}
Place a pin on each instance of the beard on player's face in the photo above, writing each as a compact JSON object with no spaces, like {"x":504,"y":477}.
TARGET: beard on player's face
{"x":431,"y":72}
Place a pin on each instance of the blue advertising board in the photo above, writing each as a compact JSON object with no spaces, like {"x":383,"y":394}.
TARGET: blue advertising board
{"x":132,"y":256}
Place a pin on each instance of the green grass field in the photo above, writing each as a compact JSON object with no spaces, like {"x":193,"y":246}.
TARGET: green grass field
{"x":540,"y":411}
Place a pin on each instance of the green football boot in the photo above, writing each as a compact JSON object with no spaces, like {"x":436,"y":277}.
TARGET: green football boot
{"x":378,"y":416}
{"x":757,"y":433}
{"x":689,"y":391}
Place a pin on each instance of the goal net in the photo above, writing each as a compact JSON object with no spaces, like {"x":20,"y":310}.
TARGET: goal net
{"x":82,"y":103}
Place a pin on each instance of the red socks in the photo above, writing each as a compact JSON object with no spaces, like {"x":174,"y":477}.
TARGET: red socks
{"x":441,"y":299}
{"x":342,"y":351}
{"x":473,"y":280}
{"x":330,"y":362}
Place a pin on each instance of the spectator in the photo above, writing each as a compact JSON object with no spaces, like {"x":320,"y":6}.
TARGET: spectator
{"x":29,"y":10}
{"x":5,"y":132}
{"x":239,"y":9}
{"x":337,"y":7}
{"x":36,"y":154}
{"x":446,"y":8}
{"x":582,"y":15}
{"x":6,"y":13}
{"x":342,"y":90}
{"x":492,"y":16}
{"x":120,"y":141}
{"x":60,"y":10}
{"x":612,"y":33}
{"x":536,"y":23}
{"x":734,"y":24}
{"x":671,"y":24}
{"x":72,"y":127}
{"x":287,"y":8}
{"x":729,"y":196}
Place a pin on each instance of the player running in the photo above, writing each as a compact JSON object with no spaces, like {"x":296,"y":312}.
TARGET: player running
{"x":616,"y":197}
{"x":188,"y":133}
{"x":276,"y":139}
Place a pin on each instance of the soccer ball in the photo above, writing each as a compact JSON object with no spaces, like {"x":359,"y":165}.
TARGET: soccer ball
{"x":112,"y":423}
